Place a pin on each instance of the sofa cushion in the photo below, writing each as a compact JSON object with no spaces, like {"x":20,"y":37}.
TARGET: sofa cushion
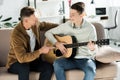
{"x":4,"y":75}
{"x":71,"y":75}
{"x":106,"y":70}
{"x":4,"y":45}
{"x":107,"y":54}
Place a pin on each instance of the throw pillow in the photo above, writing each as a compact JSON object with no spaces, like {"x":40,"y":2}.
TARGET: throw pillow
{"x":107,"y":54}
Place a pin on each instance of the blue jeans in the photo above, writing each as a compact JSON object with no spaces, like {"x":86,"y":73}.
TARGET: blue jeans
{"x":88,"y":66}
{"x":23,"y":69}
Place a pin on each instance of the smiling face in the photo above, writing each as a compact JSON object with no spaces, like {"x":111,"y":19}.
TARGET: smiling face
{"x":77,"y":12}
{"x":75,"y":16}
{"x":31,"y":20}
{"x":28,"y":17}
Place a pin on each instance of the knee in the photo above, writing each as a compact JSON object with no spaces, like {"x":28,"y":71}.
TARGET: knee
{"x":49,"y":67}
{"x":57,"y":65}
{"x":24,"y":70}
{"x":90,"y":69}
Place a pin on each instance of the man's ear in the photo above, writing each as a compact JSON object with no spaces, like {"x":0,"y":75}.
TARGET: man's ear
{"x":83,"y":14}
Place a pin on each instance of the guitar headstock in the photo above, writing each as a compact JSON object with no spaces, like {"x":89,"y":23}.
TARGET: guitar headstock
{"x":103,"y":42}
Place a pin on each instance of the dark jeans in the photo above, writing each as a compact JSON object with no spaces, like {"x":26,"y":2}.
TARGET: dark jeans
{"x":23,"y":69}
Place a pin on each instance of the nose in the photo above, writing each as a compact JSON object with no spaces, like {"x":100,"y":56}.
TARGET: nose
{"x":71,"y":18}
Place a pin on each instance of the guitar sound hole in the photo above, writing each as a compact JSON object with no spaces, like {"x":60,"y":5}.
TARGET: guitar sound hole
{"x":58,"y":53}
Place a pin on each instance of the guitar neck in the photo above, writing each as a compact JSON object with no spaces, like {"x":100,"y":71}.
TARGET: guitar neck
{"x":98,"y":42}
{"x":73,"y":42}
{"x":74,"y":45}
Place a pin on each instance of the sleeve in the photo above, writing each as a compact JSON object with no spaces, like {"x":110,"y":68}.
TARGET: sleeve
{"x":92,"y":34}
{"x":93,"y":37}
{"x":57,"y":30}
{"x":46,"y":26}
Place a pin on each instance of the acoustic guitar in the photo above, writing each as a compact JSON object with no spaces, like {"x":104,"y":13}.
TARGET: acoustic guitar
{"x":71,"y":45}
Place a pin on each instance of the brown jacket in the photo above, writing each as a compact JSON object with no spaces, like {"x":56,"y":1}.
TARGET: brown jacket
{"x":20,"y":43}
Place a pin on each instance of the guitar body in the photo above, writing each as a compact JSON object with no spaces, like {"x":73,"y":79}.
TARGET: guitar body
{"x":71,"y":45}
{"x":55,"y":53}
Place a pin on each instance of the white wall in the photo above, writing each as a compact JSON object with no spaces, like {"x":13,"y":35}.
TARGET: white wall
{"x":11,"y":8}
{"x":115,"y":3}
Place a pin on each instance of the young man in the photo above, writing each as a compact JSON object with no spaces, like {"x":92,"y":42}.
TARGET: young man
{"x":25,"y":51}
{"x":84,"y":32}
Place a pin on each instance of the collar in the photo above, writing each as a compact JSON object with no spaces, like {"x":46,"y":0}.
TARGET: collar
{"x":73,"y":25}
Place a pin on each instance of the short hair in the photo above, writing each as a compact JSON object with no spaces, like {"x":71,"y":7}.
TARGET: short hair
{"x":26,"y":12}
{"x":79,"y":6}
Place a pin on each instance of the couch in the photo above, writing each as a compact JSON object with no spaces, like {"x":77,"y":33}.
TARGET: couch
{"x":105,"y":71}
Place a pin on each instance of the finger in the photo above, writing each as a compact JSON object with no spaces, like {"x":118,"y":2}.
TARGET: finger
{"x":65,"y":50}
{"x":51,"y":48}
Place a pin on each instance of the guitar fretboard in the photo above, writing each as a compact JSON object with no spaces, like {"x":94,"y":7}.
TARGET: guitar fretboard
{"x":74,"y":45}
{"x":99,"y":42}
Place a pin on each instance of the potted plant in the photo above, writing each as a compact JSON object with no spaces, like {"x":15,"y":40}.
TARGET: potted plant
{"x":6,"y":22}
